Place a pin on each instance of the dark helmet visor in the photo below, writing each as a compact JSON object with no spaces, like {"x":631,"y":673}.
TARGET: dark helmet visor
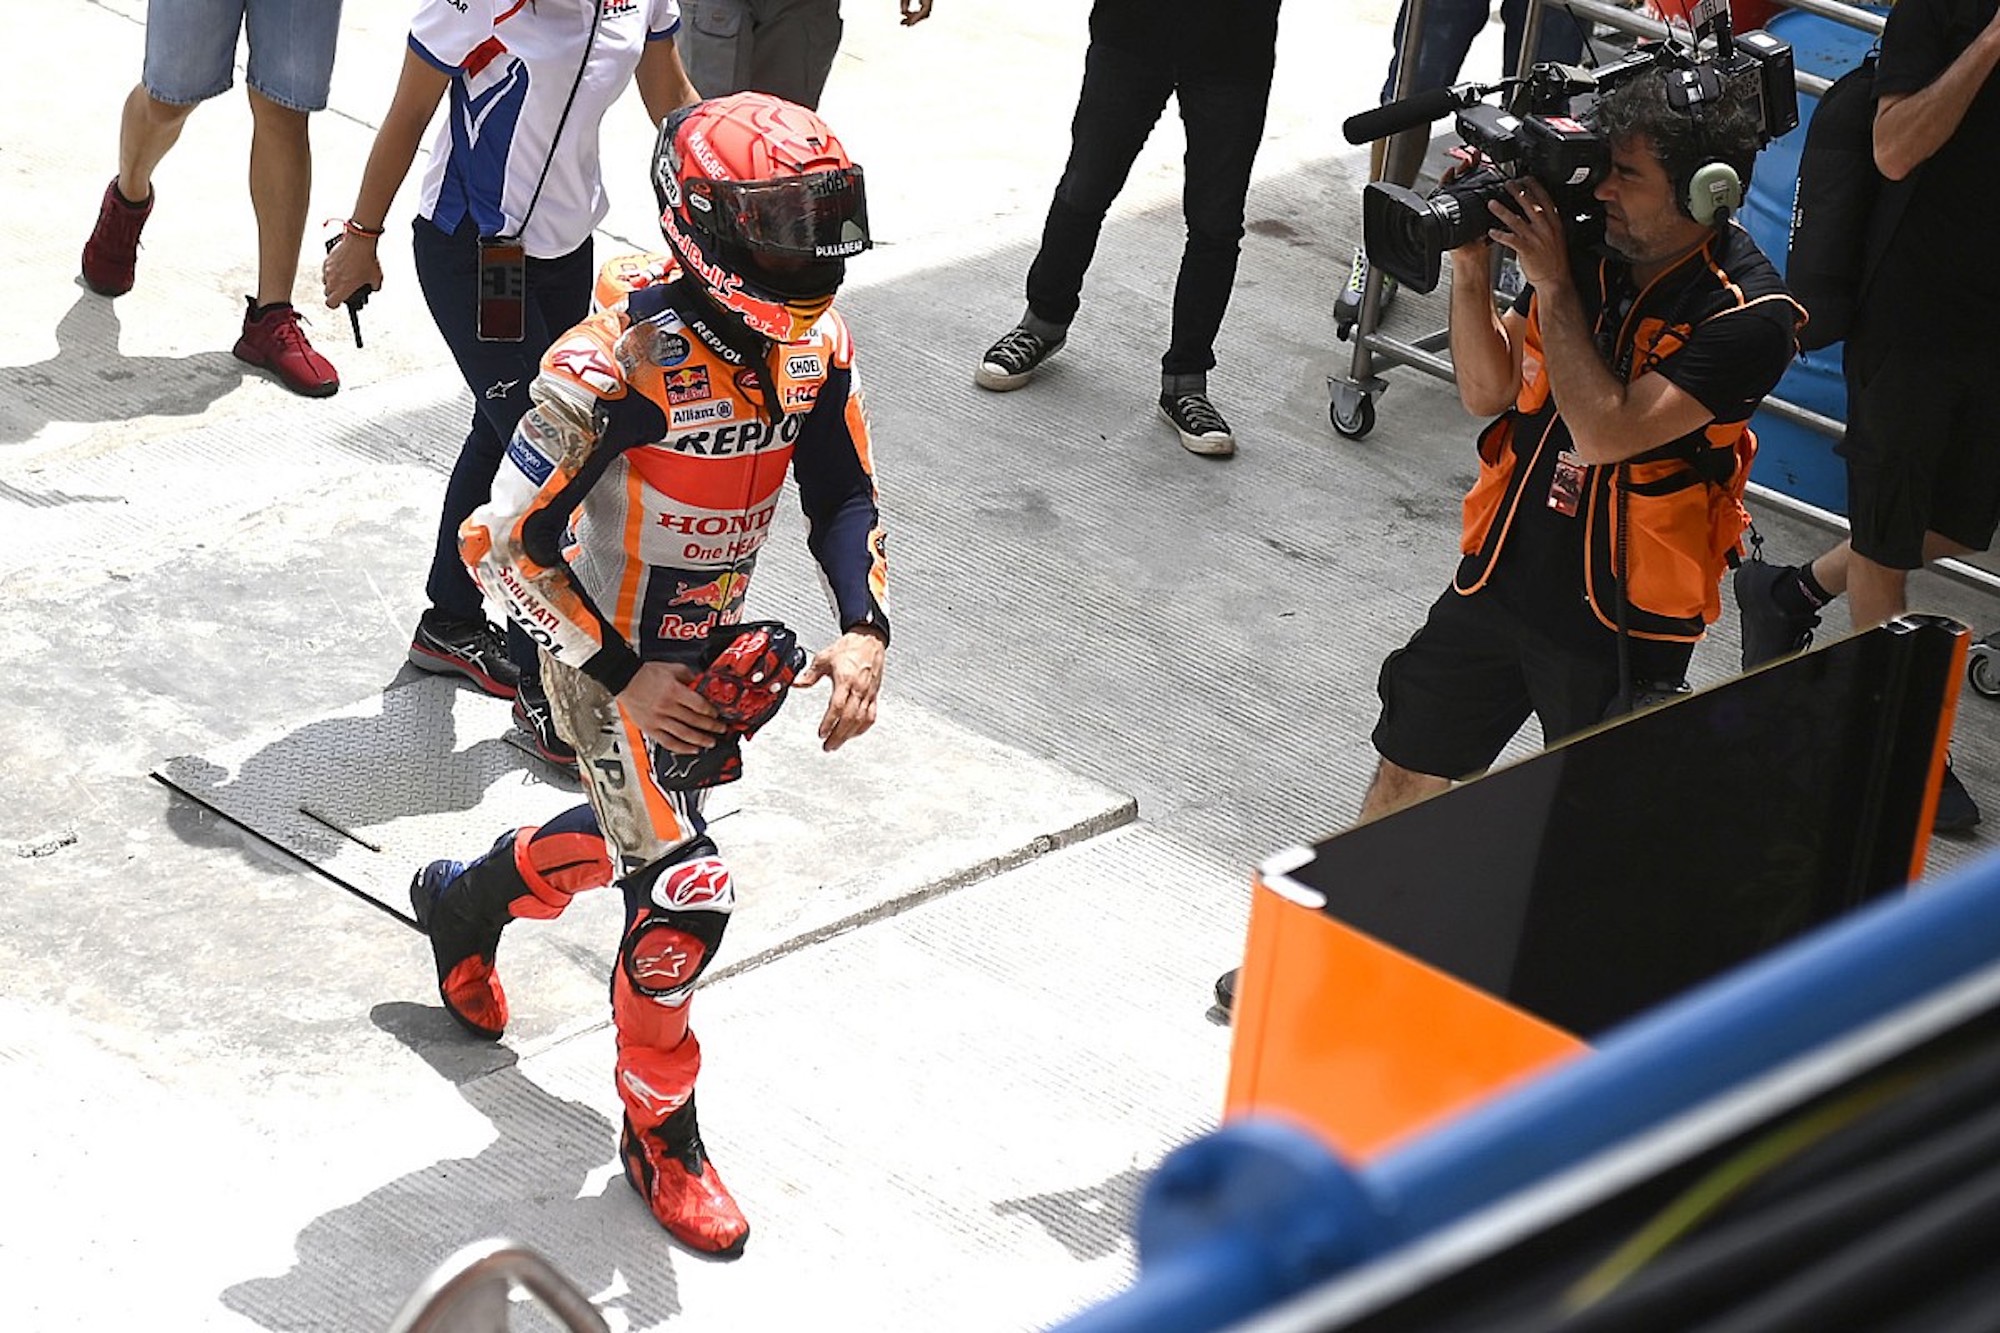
{"x":819,"y":216}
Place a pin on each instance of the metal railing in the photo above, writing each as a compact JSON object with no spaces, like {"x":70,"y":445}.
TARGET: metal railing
{"x":470,"y":1293}
{"x":1351,"y":404}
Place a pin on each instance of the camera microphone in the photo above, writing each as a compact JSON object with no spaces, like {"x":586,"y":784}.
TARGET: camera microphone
{"x":1407,"y":113}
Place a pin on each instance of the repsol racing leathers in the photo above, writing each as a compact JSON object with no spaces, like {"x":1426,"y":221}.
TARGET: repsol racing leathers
{"x":623,"y":528}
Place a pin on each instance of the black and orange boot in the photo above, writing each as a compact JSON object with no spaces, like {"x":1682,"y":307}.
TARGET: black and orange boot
{"x":464,"y":925}
{"x":670,"y":1169}
{"x":532,"y":872}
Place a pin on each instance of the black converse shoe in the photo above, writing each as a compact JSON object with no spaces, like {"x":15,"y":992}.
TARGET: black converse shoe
{"x":1202,"y":429}
{"x":1011,"y":362}
{"x":473,"y":649}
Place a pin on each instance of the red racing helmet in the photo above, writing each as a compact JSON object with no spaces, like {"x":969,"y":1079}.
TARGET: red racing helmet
{"x":762,"y":206}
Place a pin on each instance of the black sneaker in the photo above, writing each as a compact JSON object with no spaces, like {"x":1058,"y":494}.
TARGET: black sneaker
{"x":469,"y":648}
{"x":1957,"y":812}
{"x":1202,"y":429}
{"x":1011,"y":362}
{"x":1225,"y":992}
{"x":1769,"y":631}
{"x":537,"y":720}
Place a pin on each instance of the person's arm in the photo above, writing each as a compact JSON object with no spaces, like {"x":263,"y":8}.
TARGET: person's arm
{"x":663,"y":83}
{"x":1609,"y":420}
{"x":1485,"y":349}
{"x":353,"y":263}
{"x":915,"y":11}
{"x":1910,"y":127}
{"x":832,"y":462}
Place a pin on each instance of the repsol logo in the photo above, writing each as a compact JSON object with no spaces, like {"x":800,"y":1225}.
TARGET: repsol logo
{"x":738,"y":437}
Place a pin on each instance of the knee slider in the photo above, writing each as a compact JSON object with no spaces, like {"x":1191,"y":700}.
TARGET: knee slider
{"x":661,"y":961}
{"x":694,"y":879}
{"x":681,"y":911}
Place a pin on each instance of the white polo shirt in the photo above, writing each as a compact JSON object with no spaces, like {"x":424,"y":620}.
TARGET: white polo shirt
{"x":515,"y":66}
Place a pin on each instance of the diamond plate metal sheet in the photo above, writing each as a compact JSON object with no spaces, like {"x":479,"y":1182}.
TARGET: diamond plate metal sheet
{"x":818,"y":843}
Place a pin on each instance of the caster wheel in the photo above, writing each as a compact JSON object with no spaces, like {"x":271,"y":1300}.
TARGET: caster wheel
{"x":1356,"y":425}
{"x":1983,"y":671}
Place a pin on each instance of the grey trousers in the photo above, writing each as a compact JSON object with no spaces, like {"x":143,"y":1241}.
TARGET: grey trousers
{"x":771,"y":46}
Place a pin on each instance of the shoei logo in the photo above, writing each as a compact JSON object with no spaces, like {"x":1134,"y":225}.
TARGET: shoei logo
{"x":804,"y":366}
{"x":702,"y":885}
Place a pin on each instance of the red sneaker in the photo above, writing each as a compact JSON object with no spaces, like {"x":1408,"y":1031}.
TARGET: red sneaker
{"x":273,"y":339}
{"x":681,"y":1187}
{"x":112,"y":253}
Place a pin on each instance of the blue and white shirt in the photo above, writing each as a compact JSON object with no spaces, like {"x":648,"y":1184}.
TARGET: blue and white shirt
{"x":513,"y":65}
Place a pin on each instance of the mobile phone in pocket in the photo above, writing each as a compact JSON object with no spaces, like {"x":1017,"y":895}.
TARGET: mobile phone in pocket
{"x":503,"y":290}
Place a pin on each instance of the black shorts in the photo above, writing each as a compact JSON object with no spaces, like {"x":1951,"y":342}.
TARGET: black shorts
{"x":1458,"y":691}
{"x":1922,"y":449}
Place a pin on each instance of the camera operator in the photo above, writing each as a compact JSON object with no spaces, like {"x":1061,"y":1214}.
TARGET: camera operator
{"x":1599,"y":527}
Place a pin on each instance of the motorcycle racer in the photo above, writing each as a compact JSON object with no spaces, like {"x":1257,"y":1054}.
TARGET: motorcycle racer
{"x":622,"y":533}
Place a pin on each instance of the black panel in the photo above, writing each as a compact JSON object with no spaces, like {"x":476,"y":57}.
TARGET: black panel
{"x":1595,"y":880}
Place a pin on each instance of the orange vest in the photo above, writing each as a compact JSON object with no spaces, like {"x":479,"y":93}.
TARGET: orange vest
{"x":1667,"y":523}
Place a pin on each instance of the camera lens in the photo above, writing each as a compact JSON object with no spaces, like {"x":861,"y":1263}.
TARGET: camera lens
{"x":1406,"y":234}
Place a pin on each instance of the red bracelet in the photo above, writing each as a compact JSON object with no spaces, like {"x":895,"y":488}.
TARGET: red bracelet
{"x":354,"y":228}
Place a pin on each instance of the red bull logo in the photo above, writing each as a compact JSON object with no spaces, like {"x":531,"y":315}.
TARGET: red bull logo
{"x":686,"y":384}
{"x":717,"y":594}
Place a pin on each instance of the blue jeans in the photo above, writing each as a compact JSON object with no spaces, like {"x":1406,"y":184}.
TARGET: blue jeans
{"x":1451,"y":26}
{"x":498,"y":375}
{"x":191,"y":49}
{"x":1123,"y":96}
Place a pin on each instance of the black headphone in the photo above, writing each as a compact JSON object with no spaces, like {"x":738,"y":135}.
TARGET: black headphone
{"x":1707,"y":187}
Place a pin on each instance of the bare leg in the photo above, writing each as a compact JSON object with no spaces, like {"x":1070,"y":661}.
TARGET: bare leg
{"x":280,"y":189}
{"x":1876,"y":593}
{"x":1394,"y":787}
{"x":1830,"y":570}
{"x":146,"y":130}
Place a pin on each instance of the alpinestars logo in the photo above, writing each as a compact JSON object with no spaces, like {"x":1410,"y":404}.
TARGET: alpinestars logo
{"x":659,"y":1104}
{"x":586,"y":362}
{"x":701,"y":885}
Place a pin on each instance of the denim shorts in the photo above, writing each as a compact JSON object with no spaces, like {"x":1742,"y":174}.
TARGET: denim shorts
{"x":191,"y":49}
